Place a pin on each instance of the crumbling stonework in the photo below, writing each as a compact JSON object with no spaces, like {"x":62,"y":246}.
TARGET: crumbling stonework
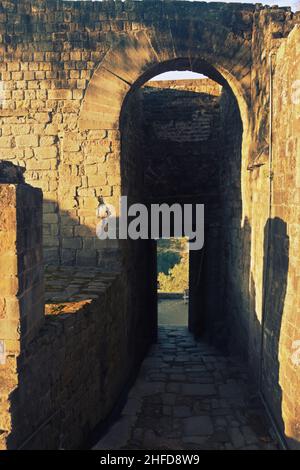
{"x":70,"y":367}
{"x":75,"y":360}
{"x":21,"y":284}
{"x":21,"y":278}
{"x":70,"y":71}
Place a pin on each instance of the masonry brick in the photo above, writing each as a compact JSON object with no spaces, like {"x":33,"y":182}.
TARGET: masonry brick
{"x":6,"y":142}
{"x":60,"y":94}
{"x":46,"y":152}
{"x":27,"y":141}
{"x":18,"y":276}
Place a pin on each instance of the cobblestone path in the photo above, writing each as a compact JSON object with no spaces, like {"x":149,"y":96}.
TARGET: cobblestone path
{"x":189,"y":396}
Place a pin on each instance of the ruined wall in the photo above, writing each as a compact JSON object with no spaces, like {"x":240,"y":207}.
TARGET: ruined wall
{"x":21,"y":277}
{"x":75,"y":361}
{"x":75,"y":369}
{"x":21,"y":263}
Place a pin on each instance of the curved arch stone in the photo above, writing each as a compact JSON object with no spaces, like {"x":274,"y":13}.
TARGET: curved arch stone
{"x":127,"y":59}
{"x":133,"y":57}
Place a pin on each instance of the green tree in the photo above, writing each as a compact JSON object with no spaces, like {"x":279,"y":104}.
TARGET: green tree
{"x":166,"y":260}
{"x":177,"y":279}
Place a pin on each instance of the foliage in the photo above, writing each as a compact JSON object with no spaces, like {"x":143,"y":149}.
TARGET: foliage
{"x":177,"y":279}
{"x":169,"y":253}
{"x":167,"y":260}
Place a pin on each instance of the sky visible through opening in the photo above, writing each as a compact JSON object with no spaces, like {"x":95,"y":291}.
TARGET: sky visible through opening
{"x":178,"y":75}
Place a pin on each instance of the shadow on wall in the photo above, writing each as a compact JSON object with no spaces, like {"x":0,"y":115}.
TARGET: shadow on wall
{"x":276,"y":264}
{"x":170,"y":152}
{"x":67,"y":242}
{"x":223,"y":280}
{"x":275,"y":269}
{"x":268,"y":331}
{"x":78,"y":245}
{"x":62,"y":393}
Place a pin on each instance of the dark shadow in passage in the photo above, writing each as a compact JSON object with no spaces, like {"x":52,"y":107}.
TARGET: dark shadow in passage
{"x":276,"y":264}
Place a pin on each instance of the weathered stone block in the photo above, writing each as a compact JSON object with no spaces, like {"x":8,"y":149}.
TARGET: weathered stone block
{"x":50,"y":218}
{"x":97,"y":180}
{"x":73,"y":243}
{"x":86,"y":257}
{"x":35,"y":164}
{"x":60,"y":94}
{"x":6,"y":142}
{"x":46,"y":152}
{"x":28,"y":140}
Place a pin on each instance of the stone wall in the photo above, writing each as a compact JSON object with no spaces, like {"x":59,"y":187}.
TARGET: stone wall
{"x":67,"y":71}
{"x":281,"y":326}
{"x":21,"y":262}
{"x":257,"y":276}
{"x":138,"y":256}
{"x":74,"y":370}
{"x":50,"y":51}
{"x":270,"y":28}
{"x":75,"y":361}
{"x":181,"y":135}
{"x":226,"y":316}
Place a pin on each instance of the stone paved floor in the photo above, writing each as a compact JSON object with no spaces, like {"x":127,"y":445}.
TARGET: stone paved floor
{"x":172,"y":312}
{"x":188,"y":396}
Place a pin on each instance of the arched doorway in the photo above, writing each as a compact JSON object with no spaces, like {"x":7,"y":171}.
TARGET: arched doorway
{"x":202,"y":166}
{"x":220,"y":287}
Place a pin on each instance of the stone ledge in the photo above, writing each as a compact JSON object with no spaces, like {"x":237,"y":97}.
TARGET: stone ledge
{"x":73,"y":289}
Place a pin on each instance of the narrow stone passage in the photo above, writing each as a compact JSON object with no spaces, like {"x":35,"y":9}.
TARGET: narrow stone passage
{"x":189,"y":396}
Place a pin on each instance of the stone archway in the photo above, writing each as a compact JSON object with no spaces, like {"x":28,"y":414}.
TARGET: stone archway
{"x":136,"y":57}
{"x":133,"y":58}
